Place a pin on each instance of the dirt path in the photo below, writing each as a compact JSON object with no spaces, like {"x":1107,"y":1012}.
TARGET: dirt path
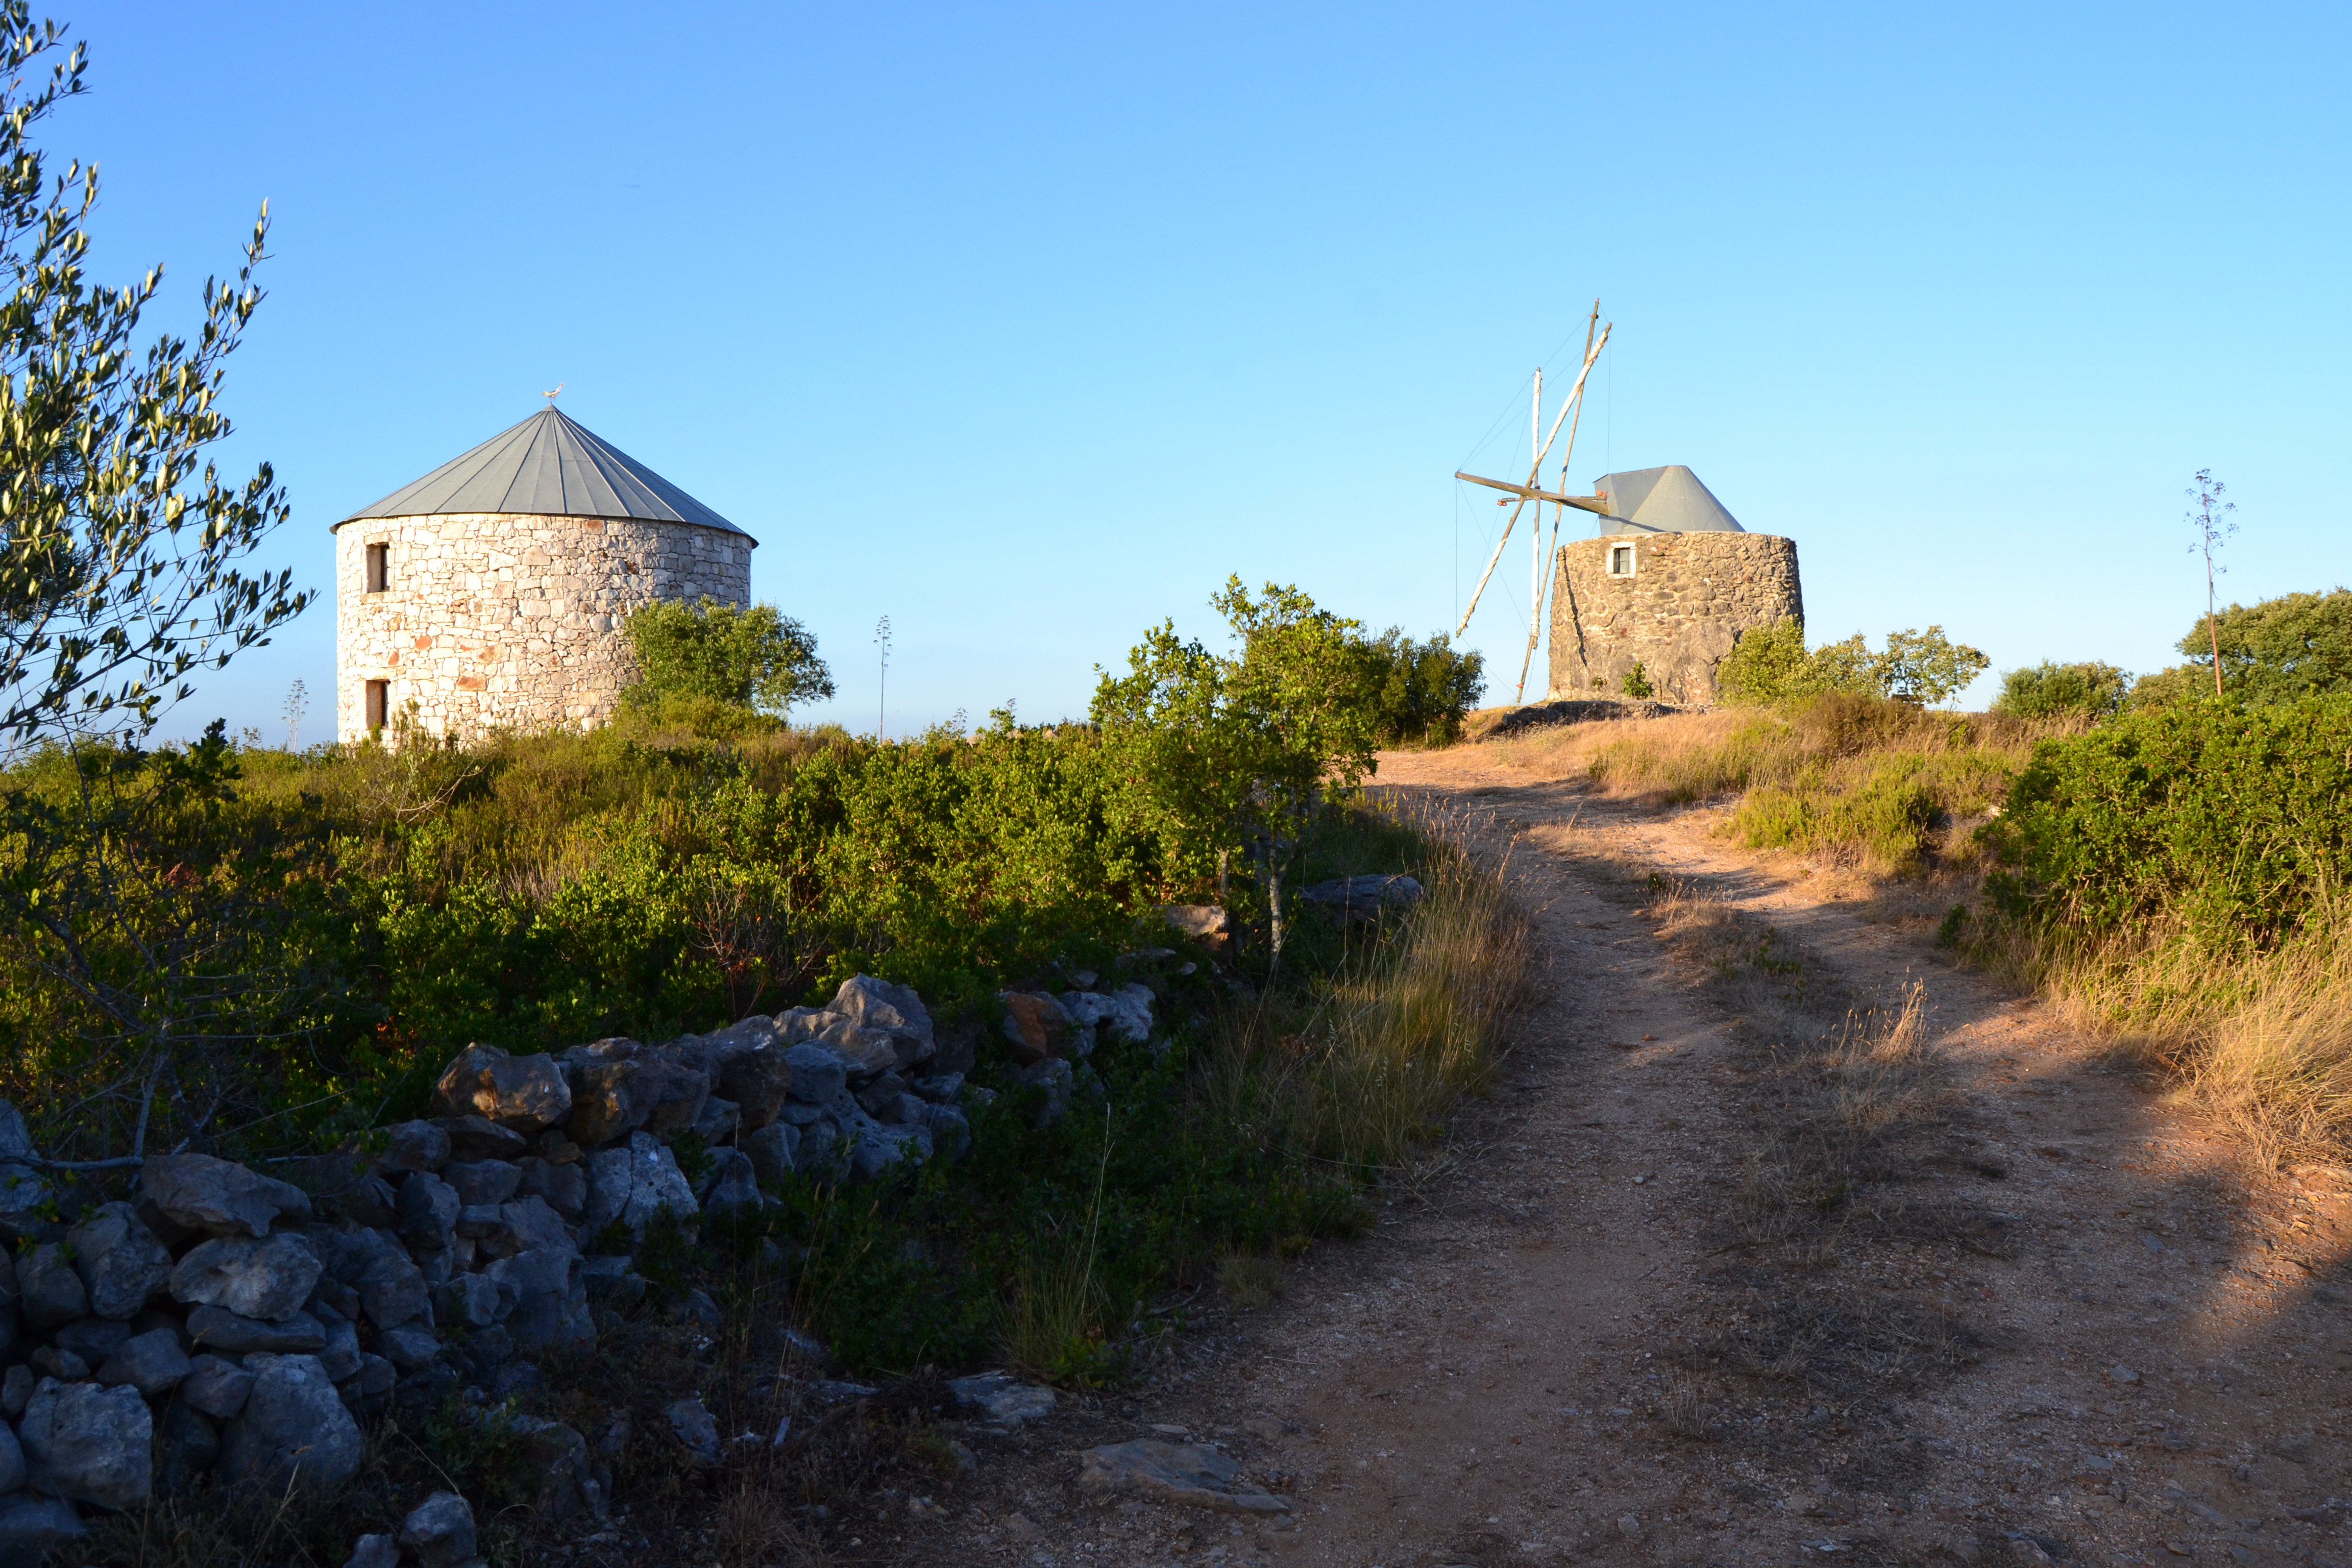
{"x":2078,"y":1335}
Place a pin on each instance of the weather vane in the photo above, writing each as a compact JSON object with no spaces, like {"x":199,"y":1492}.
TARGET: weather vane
{"x":552,"y":395}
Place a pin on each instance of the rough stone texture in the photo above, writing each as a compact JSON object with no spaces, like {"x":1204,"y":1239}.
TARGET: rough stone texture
{"x":218,"y":1197}
{"x":1127,"y":1011}
{"x":186,"y":1447}
{"x":152,"y":1363}
{"x":1037,"y":1026}
{"x":1354,"y":899}
{"x":267,"y":1278}
{"x":293,"y":1424}
{"x":418,"y":1146}
{"x":439,"y":1531}
{"x":771,"y":1150}
{"x":33,"y":1527}
{"x":89,"y":1444}
{"x":695,"y":1428}
{"x":214,"y":1387}
{"x":893,"y":1010}
{"x":12,"y":1460}
{"x":49,"y":1293}
{"x":635,"y":1183}
{"x":120,"y":1262}
{"x":218,"y":1329}
{"x":995,"y":1395}
{"x":1678,"y":614}
{"x":498,"y":620}
{"x":374,"y":1551}
{"x":1174,"y":1472}
{"x":490,"y":1182}
{"x":524,"y":1093}
{"x":733,"y":1183}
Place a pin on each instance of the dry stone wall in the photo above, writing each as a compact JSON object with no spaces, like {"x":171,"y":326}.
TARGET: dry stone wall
{"x":1677,"y":612}
{"x":494,"y":620}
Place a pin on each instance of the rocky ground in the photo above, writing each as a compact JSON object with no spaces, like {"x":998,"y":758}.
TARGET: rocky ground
{"x":1781,"y":1240}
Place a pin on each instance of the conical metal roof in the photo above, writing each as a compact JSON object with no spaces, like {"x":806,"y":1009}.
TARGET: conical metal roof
{"x":1663,"y":500}
{"x":548,"y":465}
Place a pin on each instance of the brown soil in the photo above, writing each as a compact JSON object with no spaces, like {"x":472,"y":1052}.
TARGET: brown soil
{"x":2054,"y":1320}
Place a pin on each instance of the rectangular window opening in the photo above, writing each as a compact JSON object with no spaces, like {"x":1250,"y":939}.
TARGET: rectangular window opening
{"x":379,"y":568}
{"x":379,"y":700}
{"x":1620,"y":560}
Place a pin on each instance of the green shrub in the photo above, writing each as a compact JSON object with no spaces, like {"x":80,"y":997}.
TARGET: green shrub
{"x":1637,"y":681}
{"x":1769,"y":664}
{"x":2299,"y":645}
{"x":1420,"y":693}
{"x":2224,"y":821}
{"x":2049,"y":690}
{"x":742,"y":657}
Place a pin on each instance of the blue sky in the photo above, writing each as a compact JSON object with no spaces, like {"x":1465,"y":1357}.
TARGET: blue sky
{"x":1024,"y":326}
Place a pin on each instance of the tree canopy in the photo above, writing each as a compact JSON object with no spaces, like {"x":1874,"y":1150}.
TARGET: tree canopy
{"x":748,"y":657}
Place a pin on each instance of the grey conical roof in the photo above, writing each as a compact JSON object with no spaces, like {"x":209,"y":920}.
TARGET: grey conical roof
{"x":1663,"y":500}
{"x":548,"y":465}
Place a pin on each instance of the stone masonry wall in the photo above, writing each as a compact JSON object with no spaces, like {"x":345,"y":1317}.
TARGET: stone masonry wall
{"x":1689,"y":598}
{"x":502,"y":621}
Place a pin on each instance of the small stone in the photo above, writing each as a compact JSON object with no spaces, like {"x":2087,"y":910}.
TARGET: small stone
{"x":1174,"y":1472}
{"x":1003,"y":1401}
{"x":892,"y":1010}
{"x":734,"y":1184}
{"x":605,"y":1103}
{"x":418,"y":1146}
{"x":2121,"y":1373}
{"x":120,"y":1263}
{"x":218,"y":1328}
{"x":186,"y":1447}
{"x":152,"y":1363}
{"x":635,"y":1184}
{"x":16,"y":1390}
{"x":89,"y":1444}
{"x":1123,"y":1015}
{"x":94,"y":1338}
{"x":32,"y":1528}
{"x":270,"y":1278}
{"x":374,"y":1551}
{"x":564,"y":1187}
{"x":294,"y":1425}
{"x":214,"y":1387}
{"x":771,"y":1150}
{"x":1036,"y":1026}
{"x":408,"y":1347}
{"x":522,"y":1093}
{"x":479,"y":1138}
{"x":57,"y":1362}
{"x":439,"y":1531}
{"x":429,"y":1207}
{"x":695,"y":1428}
{"x":48,"y":1292}
{"x":481,"y":1182}
{"x":1629,"y":1526}
{"x":758,"y":1082}
{"x":818,"y":1072}
{"x":219,"y":1197}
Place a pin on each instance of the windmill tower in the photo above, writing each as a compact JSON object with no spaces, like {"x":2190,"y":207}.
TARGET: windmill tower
{"x":1665,"y":589}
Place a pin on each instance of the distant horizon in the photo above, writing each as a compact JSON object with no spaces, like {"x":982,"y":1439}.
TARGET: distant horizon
{"x":1026,"y":329}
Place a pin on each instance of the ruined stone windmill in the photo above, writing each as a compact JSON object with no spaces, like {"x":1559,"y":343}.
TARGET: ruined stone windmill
{"x":1664,"y":590}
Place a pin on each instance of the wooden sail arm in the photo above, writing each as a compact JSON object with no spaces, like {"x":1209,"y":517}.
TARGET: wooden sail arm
{"x":1596,"y":504}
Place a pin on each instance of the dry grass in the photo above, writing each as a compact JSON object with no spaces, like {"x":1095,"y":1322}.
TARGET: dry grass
{"x":1363,"y":1074}
{"x":2261,"y":1041}
{"x":1249,"y":1280}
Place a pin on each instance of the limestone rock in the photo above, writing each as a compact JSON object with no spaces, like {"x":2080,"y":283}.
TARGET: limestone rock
{"x":187,"y":1445}
{"x":23,"y":1197}
{"x":951,"y":1131}
{"x":997,"y":1396}
{"x":12,"y":1461}
{"x":390,"y":1287}
{"x":1207,"y":924}
{"x":818,"y":1072}
{"x":1174,"y":1472}
{"x":218,"y":1329}
{"x":418,"y":1146}
{"x":31,"y":1528}
{"x":478,"y":1182}
{"x":439,"y":1532}
{"x":120,"y":1263}
{"x":269,"y":1278}
{"x":341,"y":1354}
{"x":564,"y":1187}
{"x":1036,"y":1026}
{"x":770,"y":1150}
{"x":524,"y":1093}
{"x":551,"y":1299}
{"x":695,"y":1428}
{"x":214,"y":1387}
{"x":152,"y":1363}
{"x":479,"y":1138}
{"x":1057,"y":1079}
{"x":428,"y":1213}
{"x":758,"y":1082}
{"x":374,"y":1551}
{"x":218,"y":1197}
{"x":635,"y":1184}
{"x":892,"y":1010}
{"x":48,"y":1292}
{"x":94,"y":1338}
{"x":89,"y":1444}
{"x":733,"y":1183}
{"x":294,"y":1424}
{"x":1122,"y":1014}
{"x":1361,"y":899}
